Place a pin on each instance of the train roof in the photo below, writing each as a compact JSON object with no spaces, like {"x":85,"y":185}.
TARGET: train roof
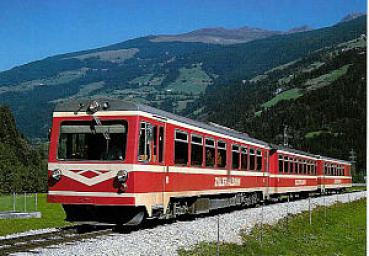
{"x":120,"y":105}
{"x":295,"y":151}
{"x":299,"y":152}
{"x":334,"y":160}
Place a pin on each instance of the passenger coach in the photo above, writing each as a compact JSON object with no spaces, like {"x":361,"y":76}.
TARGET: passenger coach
{"x":119,"y":162}
{"x":333,"y":174}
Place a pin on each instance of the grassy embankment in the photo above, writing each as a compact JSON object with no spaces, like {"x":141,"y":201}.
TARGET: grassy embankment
{"x":341,"y":232}
{"x":52,"y":215}
{"x":356,"y":189}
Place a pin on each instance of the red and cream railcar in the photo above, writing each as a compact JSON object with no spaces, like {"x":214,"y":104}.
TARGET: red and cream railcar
{"x":114,"y":161}
{"x":333,"y":174}
{"x":292,"y":171}
{"x":118,"y":162}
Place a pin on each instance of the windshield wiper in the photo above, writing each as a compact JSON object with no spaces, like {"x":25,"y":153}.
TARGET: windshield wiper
{"x":106,"y":133}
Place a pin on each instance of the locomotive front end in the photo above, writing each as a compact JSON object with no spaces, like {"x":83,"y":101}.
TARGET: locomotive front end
{"x":90,"y":163}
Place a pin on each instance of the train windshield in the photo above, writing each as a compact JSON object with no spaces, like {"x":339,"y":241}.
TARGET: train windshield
{"x":95,"y":140}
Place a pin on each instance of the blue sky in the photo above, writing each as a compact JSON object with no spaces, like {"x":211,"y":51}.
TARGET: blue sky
{"x":31,"y":30}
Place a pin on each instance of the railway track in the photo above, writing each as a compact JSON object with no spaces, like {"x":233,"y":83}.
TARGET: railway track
{"x":81,"y":232}
{"x":63,"y":235}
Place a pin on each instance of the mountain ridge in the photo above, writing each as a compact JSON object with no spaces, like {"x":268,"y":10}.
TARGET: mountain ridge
{"x":219,"y":35}
{"x":352,"y":16}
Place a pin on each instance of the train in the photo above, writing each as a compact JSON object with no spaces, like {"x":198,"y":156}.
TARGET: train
{"x":119,"y":162}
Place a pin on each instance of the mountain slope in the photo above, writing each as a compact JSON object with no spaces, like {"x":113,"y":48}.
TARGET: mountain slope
{"x":321,"y":98}
{"x":169,"y":75}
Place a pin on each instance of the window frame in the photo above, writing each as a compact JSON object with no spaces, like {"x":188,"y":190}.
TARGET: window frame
{"x":177,"y":130}
{"x":217,"y":151}
{"x":198,"y":144}
{"x":147,"y":125}
{"x":124,"y":122}
{"x":285,"y":164}
{"x":280,"y":159}
{"x":161,"y":145}
{"x":253,"y":155}
{"x":259,"y":155}
{"x":213,"y":146}
{"x":239,"y":156}
{"x":244,"y":151}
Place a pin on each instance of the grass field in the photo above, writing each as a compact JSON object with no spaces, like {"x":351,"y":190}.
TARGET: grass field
{"x":356,"y":189}
{"x":341,"y":232}
{"x":286,"y":95}
{"x":193,"y":80}
{"x":52,"y":216}
{"x":326,"y":79}
{"x":23,"y":202}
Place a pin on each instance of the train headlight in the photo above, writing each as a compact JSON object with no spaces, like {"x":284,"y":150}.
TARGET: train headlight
{"x":56,"y":174}
{"x":94,"y":106}
{"x":122,"y":176}
{"x":105,"y":105}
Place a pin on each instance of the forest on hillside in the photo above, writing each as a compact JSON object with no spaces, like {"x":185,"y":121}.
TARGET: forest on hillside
{"x":329,"y":121}
{"x":22,"y":168}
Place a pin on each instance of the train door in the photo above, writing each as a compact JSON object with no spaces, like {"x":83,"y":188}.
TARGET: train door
{"x":159,"y":142}
{"x":151,"y":153}
{"x":266,"y":173}
{"x":158,"y":159}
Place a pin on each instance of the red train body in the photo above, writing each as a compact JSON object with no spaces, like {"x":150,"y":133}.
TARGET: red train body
{"x":119,"y":162}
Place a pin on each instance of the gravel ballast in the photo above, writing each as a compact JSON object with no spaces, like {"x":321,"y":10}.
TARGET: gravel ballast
{"x":166,"y":239}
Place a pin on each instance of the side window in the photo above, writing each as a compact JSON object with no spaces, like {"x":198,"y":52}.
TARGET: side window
{"x":154,"y":157}
{"x":285,"y":168}
{"x":161,"y":144}
{"x":235,"y":157}
{"x":306,"y":166}
{"x":311,"y":167}
{"x":252,"y":159}
{"x":222,"y":154}
{"x":144,"y":142}
{"x":302,"y":170}
{"x":294,"y":165}
{"x":196,"y":150}
{"x":244,"y":158}
{"x":290,"y":164}
{"x":326,"y":169}
{"x":259,"y":160}
{"x":209,"y":152}
{"x":181,"y":148}
{"x":332,"y":169}
{"x":280,"y":163}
